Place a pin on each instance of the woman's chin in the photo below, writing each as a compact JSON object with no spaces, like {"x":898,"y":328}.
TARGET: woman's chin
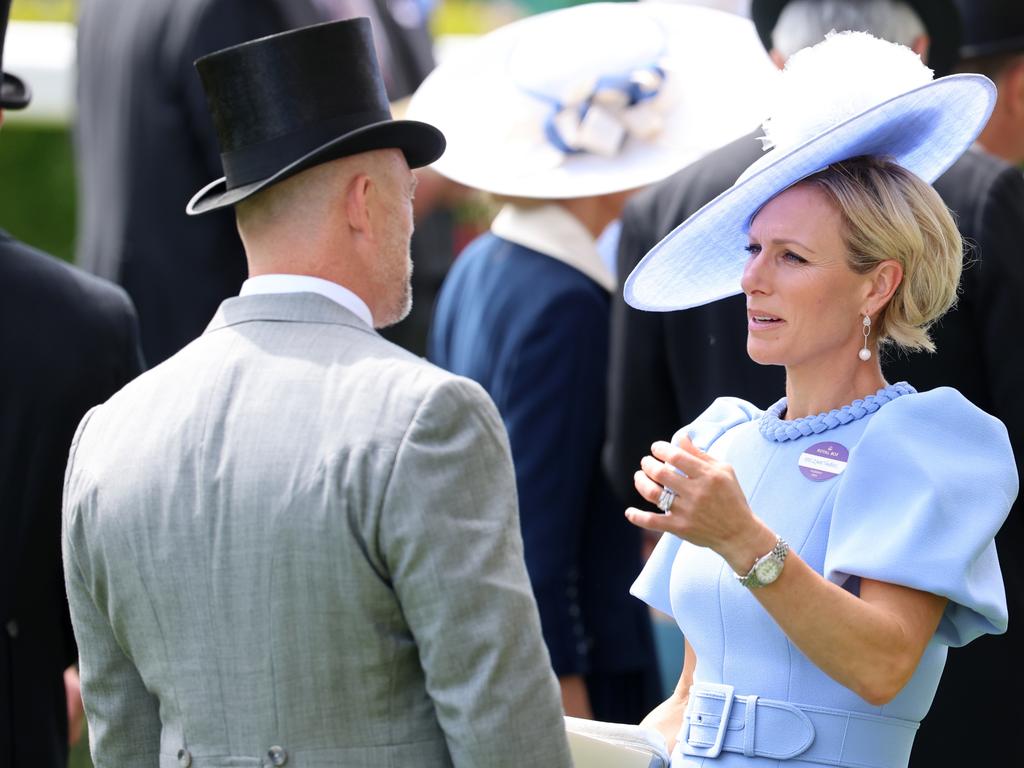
{"x":763,"y":354}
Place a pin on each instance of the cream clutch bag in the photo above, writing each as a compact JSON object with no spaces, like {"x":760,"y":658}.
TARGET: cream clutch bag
{"x":596,"y":744}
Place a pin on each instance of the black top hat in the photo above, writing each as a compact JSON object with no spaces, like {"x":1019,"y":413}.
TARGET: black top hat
{"x":991,"y":27}
{"x":939,"y":17}
{"x":287,"y":102}
{"x":14,"y":92}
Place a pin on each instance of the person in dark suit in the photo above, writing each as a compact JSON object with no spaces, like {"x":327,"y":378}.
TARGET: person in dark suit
{"x":994,"y":46}
{"x":989,"y":198}
{"x":666,"y":367}
{"x":69,"y":341}
{"x":144,"y":141}
{"x":142,"y":117}
{"x":524,"y":310}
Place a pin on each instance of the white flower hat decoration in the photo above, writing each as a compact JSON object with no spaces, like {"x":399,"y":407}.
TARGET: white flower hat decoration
{"x":594,"y":99}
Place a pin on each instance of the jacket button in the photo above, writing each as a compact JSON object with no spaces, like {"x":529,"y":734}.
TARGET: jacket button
{"x":278,"y":756}
{"x":12,"y":628}
{"x":184,"y":758}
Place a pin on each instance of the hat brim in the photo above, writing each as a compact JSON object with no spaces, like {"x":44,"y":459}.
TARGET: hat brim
{"x":716,"y":90}
{"x":992,"y":48}
{"x":421,"y":144}
{"x":14,"y":92}
{"x":924,"y":130}
{"x":940,"y":19}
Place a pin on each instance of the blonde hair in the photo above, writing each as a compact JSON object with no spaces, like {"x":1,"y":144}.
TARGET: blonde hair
{"x":889,"y":213}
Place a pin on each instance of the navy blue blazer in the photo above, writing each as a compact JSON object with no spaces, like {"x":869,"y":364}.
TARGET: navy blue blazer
{"x":533,"y":332}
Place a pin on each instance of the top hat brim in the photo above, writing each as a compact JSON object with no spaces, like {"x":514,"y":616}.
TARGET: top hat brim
{"x":14,"y":92}
{"x":421,"y":144}
{"x":923,"y":130}
{"x":940,"y":18}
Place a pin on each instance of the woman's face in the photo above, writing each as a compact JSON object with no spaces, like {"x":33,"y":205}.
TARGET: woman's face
{"x":804,"y":303}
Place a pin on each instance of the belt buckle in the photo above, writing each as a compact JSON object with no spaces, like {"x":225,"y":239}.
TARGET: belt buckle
{"x":712,"y":691}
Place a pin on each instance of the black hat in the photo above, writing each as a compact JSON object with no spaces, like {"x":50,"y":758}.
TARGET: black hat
{"x":991,"y":27}
{"x":287,"y":102}
{"x":14,"y":92}
{"x":939,"y":17}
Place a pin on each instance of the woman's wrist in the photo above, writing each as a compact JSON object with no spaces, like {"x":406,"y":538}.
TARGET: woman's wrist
{"x":741,"y":552}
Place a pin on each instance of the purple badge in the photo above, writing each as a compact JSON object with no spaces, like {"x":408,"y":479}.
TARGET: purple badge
{"x":823,"y":461}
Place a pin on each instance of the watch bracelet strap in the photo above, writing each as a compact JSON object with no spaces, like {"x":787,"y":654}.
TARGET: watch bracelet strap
{"x":780,"y":550}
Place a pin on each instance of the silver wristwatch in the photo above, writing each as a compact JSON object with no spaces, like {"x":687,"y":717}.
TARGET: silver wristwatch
{"x":767,"y":568}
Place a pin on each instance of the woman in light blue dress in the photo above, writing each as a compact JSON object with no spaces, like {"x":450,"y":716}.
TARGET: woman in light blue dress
{"x":821,"y":556}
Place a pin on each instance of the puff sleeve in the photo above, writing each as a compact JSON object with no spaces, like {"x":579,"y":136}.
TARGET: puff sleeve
{"x":652,"y":585}
{"x":926,"y":488}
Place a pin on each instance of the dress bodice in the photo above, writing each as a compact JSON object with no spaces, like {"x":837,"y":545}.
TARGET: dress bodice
{"x":903,"y":487}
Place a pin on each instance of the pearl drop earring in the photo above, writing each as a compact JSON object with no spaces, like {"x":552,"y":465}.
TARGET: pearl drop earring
{"x":865,"y":353}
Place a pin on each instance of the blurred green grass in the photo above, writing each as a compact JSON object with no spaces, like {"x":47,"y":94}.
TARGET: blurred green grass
{"x":79,"y":757}
{"x":37,"y":191}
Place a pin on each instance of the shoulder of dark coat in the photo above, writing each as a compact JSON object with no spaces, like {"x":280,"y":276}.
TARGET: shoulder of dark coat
{"x":37,"y":281}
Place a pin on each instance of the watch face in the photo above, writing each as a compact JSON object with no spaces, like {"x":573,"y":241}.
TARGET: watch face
{"x":768,"y":570}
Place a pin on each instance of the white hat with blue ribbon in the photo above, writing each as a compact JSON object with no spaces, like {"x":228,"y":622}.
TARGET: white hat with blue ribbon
{"x":594,"y":99}
{"x":848,"y":96}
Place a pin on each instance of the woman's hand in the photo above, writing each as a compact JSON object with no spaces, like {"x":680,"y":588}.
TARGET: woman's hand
{"x":667,"y":717}
{"x":76,"y":711}
{"x":575,"y":699}
{"x":710,"y":509}
{"x":871,"y":642}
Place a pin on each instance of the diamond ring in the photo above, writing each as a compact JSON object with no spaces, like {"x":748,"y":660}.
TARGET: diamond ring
{"x":666,"y":499}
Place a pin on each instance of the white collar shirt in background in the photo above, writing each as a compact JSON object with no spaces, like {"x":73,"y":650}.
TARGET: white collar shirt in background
{"x":553,"y":231}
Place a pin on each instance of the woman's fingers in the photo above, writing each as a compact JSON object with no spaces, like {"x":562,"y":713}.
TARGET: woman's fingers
{"x":652,"y":521}
{"x":687,"y":460}
{"x":647,"y":487}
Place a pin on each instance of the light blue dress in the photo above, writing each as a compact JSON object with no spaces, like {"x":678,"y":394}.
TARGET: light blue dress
{"x":903,"y":487}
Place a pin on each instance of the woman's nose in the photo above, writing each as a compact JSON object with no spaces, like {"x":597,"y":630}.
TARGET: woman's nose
{"x":754,"y":279}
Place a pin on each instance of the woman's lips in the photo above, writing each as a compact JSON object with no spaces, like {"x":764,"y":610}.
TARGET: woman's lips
{"x":762,"y":321}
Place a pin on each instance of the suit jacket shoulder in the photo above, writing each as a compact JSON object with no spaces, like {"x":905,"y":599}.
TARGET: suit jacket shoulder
{"x":975,"y":182}
{"x":64,"y":317}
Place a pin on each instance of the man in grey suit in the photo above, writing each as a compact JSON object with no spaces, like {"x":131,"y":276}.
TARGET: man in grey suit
{"x":293,"y":542}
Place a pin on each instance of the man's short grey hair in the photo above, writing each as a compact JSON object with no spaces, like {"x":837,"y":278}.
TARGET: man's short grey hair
{"x":806,"y":22}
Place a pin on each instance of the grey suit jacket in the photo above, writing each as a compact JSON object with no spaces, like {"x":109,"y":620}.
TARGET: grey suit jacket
{"x":295,"y":539}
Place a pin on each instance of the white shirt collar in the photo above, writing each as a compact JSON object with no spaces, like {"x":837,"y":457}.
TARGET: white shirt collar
{"x":553,"y":231}
{"x":339,"y":294}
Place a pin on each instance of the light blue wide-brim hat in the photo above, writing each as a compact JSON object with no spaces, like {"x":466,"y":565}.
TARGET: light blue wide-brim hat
{"x":848,"y":96}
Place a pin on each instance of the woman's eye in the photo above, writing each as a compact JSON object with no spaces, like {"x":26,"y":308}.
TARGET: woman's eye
{"x":753,"y":249}
{"x":790,"y":256}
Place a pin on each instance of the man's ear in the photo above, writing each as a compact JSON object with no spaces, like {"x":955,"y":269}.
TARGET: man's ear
{"x":1011,"y":87}
{"x":921,"y":46}
{"x":885,"y":279}
{"x":357,"y":203}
